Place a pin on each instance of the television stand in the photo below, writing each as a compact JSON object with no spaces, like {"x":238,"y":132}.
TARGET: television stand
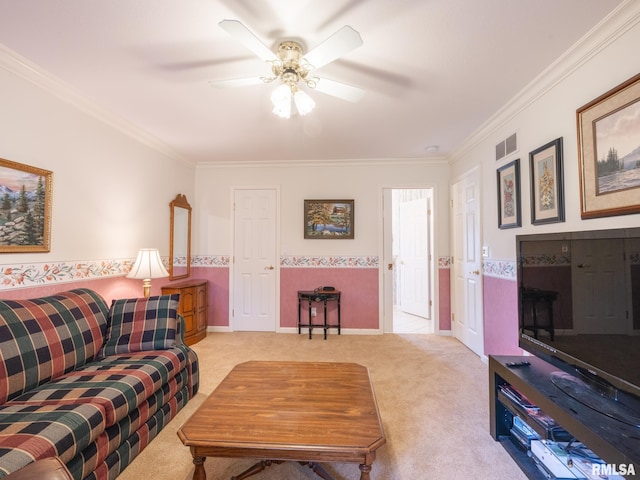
{"x":613,"y":441}
{"x":587,"y":395}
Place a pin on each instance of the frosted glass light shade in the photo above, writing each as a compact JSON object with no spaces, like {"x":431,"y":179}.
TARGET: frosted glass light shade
{"x":281,"y":99}
{"x":304,"y":103}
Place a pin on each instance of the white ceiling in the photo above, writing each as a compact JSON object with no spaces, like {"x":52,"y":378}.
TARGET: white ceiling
{"x":433,"y":70}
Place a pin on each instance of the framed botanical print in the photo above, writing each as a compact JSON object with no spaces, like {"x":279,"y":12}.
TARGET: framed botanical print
{"x":25,"y":208}
{"x":547,"y":183}
{"x":509,"y":210}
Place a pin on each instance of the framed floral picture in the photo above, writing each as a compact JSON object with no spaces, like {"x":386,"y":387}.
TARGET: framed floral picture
{"x":25,"y":208}
{"x":609,"y":152}
{"x":547,"y":183}
{"x":508,"y":177}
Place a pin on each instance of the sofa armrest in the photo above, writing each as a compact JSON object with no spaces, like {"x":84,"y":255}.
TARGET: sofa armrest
{"x":46,"y":469}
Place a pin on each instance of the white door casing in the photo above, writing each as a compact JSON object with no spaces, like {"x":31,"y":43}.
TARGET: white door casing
{"x":255,"y":267}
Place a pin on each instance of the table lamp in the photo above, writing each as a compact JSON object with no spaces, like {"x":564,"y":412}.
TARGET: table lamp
{"x":148,"y":265}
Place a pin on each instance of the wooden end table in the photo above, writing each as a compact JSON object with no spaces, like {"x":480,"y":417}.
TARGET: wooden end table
{"x":288,"y":411}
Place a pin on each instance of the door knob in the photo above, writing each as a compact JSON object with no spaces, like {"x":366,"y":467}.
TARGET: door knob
{"x":270,"y":267}
{"x":476,"y":272}
{"x":390,"y":266}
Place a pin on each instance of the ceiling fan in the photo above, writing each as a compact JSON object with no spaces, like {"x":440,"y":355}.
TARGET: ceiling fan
{"x":291,"y":66}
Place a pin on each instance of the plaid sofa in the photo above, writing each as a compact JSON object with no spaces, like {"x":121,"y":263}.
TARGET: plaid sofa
{"x":89,"y":384}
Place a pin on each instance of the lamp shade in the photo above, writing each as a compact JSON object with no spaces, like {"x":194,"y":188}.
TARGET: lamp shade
{"x":148,"y":265}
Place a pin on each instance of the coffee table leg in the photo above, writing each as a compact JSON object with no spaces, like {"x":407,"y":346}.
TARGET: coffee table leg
{"x":199,"y":473}
{"x":364,"y":472}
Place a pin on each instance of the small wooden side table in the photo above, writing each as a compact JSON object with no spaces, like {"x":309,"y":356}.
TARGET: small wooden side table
{"x":318,"y":296}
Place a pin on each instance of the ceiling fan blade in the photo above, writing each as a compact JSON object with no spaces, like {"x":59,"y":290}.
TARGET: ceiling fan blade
{"x":339,"y":89}
{"x":245,"y":36}
{"x":338,"y":44}
{"x":236,"y":82}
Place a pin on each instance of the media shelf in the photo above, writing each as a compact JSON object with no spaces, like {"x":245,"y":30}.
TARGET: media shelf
{"x":613,"y":441}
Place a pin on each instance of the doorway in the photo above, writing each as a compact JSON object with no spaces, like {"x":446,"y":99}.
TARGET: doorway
{"x":408,"y":265}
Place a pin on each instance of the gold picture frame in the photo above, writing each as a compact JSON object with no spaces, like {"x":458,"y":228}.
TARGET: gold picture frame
{"x":609,"y":152}
{"x":25,"y":208}
{"x":329,"y":219}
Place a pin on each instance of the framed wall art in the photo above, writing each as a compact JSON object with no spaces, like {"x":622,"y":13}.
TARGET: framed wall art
{"x":609,"y":152}
{"x":547,"y":183}
{"x":25,"y":208}
{"x":509,"y":211}
{"x":330,"y":219}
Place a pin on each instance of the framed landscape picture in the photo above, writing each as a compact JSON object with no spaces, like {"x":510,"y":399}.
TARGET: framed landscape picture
{"x":547,"y":183}
{"x":25,"y":208}
{"x":509,"y":211}
{"x":328,"y":219}
{"x":609,"y":152}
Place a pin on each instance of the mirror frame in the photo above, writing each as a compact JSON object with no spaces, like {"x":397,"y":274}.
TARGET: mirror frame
{"x":179,"y":202}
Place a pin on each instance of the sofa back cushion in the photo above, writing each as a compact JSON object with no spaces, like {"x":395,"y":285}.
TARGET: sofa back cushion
{"x":44,"y":338}
{"x":140,"y":324}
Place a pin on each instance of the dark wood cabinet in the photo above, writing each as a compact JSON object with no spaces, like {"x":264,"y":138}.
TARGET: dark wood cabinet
{"x":192,"y":307}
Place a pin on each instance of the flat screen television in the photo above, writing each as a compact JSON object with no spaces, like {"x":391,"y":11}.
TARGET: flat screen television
{"x":579,"y":309}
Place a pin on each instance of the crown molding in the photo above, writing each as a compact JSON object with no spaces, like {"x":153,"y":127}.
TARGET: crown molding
{"x":29,"y":71}
{"x":365,"y":162}
{"x":608,"y":30}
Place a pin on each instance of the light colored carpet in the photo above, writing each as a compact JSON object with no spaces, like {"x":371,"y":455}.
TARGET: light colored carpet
{"x":432,"y":394}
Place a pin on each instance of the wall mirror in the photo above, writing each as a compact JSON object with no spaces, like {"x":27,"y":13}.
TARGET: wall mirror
{"x":180,"y":238}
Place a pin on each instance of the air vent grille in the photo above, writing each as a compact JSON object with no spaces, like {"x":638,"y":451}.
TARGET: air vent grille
{"x":507,"y":146}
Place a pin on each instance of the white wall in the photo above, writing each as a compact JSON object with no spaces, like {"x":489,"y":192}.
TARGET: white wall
{"x":111,"y":192}
{"x":546,"y":110}
{"x":362,"y":182}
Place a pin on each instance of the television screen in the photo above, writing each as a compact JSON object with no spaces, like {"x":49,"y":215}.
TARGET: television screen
{"x":579,"y":302}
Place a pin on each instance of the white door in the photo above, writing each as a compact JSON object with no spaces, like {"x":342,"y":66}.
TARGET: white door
{"x":391,"y":268}
{"x":254,"y":260}
{"x":467,"y":318}
{"x":599,"y":287}
{"x":414,"y":256}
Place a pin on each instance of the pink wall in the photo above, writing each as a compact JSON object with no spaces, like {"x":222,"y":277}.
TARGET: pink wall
{"x":500,"y":316}
{"x":358,"y":287}
{"x":218,"y":290}
{"x":444,"y":298}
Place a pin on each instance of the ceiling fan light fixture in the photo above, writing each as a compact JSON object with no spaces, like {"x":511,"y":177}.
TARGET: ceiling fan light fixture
{"x":304,"y":103}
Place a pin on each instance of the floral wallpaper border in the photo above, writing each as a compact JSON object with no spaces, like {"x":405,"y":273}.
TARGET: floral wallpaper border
{"x":39,"y":274}
{"x":500,"y":269}
{"x":47,"y":273}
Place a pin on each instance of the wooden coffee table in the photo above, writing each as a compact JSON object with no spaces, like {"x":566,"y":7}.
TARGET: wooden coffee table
{"x":288,"y":411}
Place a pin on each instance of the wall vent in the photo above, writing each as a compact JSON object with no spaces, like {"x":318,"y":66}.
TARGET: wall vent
{"x":506,"y":147}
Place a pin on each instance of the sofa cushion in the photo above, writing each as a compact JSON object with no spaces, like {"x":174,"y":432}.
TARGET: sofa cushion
{"x":117,"y":385}
{"x":141,"y":324}
{"x":44,"y":338}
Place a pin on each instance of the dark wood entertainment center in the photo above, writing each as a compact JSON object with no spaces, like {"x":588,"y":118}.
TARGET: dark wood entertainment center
{"x":612,"y":440}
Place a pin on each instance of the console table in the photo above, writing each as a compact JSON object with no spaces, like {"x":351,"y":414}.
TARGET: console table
{"x":317,"y":296}
{"x":613,"y":441}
